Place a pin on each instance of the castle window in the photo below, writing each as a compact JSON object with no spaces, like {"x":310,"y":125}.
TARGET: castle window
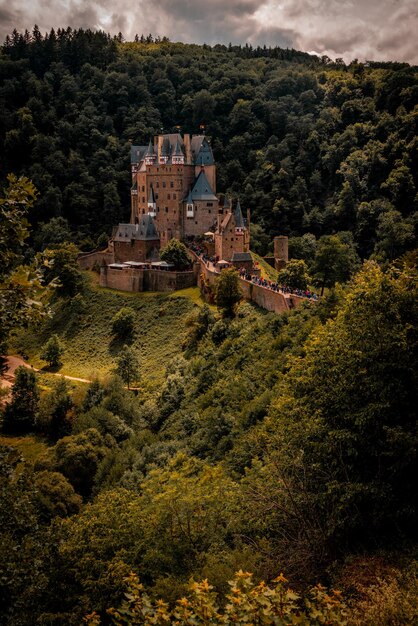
{"x":156,"y":196}
{"x":171,"y":183}
{"x":209,"y":211}
{"x":143,"y":188}
{"x":166,"y":209}
{"x":168,"y":196}
{"x":174,"y":196}
{"x":143,"y":198}
{"x":143,"y":211}
{"x":209,"y":203}
{"x":163,"y":183}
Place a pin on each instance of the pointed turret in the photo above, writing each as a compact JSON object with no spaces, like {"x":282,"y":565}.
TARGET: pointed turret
{"x":165,"y":151}
{"x":226,"y":204}
{"x":205,"y":154}
{"x":239,"y":220}
{"x":189,"y":205}
{"x":177,"y":157}
{"x":201,"y":189}
{"x":150,"y":155}
{"x":152,"y":205}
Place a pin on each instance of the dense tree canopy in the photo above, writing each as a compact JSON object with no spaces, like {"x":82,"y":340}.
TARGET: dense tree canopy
{"x":310,"y":146}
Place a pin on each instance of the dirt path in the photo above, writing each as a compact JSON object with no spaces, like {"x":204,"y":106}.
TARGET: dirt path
{"x":14,"y":362}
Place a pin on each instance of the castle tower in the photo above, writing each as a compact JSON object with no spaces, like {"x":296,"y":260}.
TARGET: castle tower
{"x":173,"y":167}
{"x":232,"y":237}
{"x":201,"y":206}
{"x":239,"y":220}
{"x":281,"y":251}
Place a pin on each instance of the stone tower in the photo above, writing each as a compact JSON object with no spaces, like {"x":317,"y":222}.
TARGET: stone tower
{"x":281,"y":251}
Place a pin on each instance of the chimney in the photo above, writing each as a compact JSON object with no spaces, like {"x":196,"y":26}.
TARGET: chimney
{"x":160,"y":140}
{"x":188,"y":148}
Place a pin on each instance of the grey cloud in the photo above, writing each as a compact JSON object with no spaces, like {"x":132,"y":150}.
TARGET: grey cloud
{"x":364,"y":29}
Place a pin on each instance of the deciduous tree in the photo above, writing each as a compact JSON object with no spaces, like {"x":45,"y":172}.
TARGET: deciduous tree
{"x":228,"y":292}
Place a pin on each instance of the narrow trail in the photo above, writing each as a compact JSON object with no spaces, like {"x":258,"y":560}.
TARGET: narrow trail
{"x":13,"y":362}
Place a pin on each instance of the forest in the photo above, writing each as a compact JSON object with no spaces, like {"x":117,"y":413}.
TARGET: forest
{"x":310,"y":146}
{"x":216,"y":469}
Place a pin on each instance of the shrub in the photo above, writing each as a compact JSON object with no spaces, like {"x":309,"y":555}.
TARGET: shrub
{"x":53,"y":351}
{"x":123,"y":322}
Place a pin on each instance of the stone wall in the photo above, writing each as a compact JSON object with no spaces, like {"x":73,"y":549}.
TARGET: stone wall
{"x":135,"y":250}
{"x":88,"y":260}
{"x":265,"y":298}
{"x":161,"y":280}
{"x":135,"y":279}
{"x":126,"y":279}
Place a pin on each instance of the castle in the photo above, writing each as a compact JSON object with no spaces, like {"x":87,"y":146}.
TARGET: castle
{"x":173,"y":195}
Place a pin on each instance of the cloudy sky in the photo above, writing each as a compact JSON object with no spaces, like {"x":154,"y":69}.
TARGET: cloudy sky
{"x":363,"y":29}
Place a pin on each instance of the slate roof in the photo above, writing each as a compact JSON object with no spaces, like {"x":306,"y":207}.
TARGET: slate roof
{"x":173,"y":138}
{"x":201,"y":189}
{"x":166,"y":147}
{"x":177,"y":149}
{"x":241,"y":256}
{"x":144,"y":230}
{"x":150,"y":149}
{"x":137,"y":153}
{"x":205,"y":154}
{"x":239,"y":220}
{"x":196,"y":144}
{"x":151,"y":197}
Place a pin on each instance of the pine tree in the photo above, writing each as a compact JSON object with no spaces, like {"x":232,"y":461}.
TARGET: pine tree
{"x":20,"y":413}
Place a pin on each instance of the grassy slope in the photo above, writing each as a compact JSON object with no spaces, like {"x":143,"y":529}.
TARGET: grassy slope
{"x":89,"y":346}
{"x":30,"y":447}
{"x":266,"y":270}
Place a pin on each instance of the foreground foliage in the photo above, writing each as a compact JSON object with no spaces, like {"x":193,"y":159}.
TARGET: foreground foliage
{"x":246,"y":603}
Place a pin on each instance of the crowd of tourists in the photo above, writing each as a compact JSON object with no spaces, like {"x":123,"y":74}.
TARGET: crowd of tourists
{"x":201,"y":252}
{"x":274,"y":286}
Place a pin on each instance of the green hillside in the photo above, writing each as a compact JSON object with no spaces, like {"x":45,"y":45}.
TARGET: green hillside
{"x":90,"y":349}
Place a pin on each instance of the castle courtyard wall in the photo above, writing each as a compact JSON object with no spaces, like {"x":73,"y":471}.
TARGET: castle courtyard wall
{"x":89,"y":260}
{"x":137,"y":280}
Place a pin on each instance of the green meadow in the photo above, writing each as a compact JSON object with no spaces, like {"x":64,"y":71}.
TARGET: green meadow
{"x":84,"y":326}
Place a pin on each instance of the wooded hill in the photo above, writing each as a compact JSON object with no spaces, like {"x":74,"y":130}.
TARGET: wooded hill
{"x":309,"y":145}
{"x":253,"y":442}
